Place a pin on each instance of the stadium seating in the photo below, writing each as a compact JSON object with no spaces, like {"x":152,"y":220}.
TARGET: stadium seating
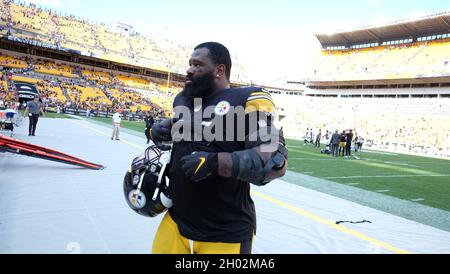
{"x":52,"y":93}
{"x":421,"y":59}
{"x":52,"y":68}
{"x":12,"y":62}
{"x":135,"y":82}
{"x":7,"y":97}
{"x":3,"y":86}
{"x":26,"y":18}
{"x":129,"y":93}
{"x":100,"y":41}
{"x":25,"y":79}
{"x":89,"y":94}
{"x":98,"y":76}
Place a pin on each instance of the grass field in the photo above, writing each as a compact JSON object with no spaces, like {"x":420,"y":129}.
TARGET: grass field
{"x":57,"y":116}
{"x":419,"y":179}
{"x":136,"y":126}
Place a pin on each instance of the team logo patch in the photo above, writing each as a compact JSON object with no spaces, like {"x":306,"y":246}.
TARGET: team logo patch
{"x":137,"y":199}
{"x":223,"y":108}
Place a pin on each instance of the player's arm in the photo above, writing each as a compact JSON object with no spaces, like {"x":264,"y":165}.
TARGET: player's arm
{"x":266,"y":156}
{"x":264,"y":159}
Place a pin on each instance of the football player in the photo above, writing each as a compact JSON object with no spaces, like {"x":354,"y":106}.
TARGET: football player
{"x":213,"y":212}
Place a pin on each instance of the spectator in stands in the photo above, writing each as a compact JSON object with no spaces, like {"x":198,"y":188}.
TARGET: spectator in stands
{"x":34,"y":109}
{"x":116,"y":120}
{"x":335,"y":138}
{"x":348,"y":145}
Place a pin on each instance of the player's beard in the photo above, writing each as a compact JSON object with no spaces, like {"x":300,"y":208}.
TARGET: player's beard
{"x":200,"y":87}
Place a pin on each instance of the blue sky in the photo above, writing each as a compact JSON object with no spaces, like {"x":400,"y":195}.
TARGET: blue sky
{"x":273,"y":38}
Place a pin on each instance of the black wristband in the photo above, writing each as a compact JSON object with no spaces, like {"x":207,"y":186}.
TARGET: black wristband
{"x":215,"y":164}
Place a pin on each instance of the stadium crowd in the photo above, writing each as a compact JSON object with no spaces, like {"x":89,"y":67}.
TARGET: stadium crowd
{"x":410,"y":60}
{"x":63,"y":86}
{"x":8,"y":96}
{"x":31,"y":22}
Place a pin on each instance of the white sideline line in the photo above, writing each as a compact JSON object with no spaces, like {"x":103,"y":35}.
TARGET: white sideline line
{"x":383,"y":191}
{"x":387,"y":176}
{"x":364,"y":151}
{"x":417,"y":200}
{"x":399,"y":163}
{"x":312,"y":159}
{"x":380,"y":152}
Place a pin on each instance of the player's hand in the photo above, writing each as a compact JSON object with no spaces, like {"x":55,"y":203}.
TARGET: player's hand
{"x":200,"y":165}
{"x":161,"y":132}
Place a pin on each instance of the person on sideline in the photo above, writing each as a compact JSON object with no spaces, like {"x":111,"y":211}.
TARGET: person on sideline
{"x":34,"y":109}
{"x":116,"y":120}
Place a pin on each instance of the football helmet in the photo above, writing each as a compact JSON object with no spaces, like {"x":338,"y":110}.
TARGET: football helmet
{"x":146,"y":184}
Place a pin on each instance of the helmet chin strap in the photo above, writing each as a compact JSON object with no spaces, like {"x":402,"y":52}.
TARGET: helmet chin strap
{"x":164,"y":160}
{"x":141,"y":180}
{"x":167,"y":202}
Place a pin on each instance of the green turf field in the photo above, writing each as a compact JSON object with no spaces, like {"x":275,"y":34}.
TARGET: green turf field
{"x":418,"y":179}
{"x":57,"y":116}
{"x":136,"y":126}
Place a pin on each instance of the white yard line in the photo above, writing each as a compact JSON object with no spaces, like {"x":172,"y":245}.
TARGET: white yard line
{"x":383,"y":191}
{"x":387,"y":176}
{"x":309,"y":159}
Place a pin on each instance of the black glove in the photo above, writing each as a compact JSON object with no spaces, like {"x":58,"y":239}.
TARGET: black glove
{"x":161,"y":132}
{"x":200,"y":165}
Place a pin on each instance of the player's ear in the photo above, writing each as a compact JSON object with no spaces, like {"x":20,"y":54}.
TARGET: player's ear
{"x":220,"y":71}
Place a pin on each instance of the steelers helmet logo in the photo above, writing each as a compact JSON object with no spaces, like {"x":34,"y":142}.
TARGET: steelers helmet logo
{"x":222,"y":108}
{"x":137,"y":199}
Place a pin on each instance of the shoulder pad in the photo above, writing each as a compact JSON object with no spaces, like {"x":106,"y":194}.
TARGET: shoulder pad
{"x":245,"y":90}
{"x":260,"y":100}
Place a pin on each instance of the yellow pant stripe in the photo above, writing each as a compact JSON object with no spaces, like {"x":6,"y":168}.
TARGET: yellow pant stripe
{"x":168,"y":240}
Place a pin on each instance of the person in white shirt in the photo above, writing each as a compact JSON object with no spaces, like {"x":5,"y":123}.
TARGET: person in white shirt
{"x":10,"y":113}
{"x":311,"y":136}
{"x":307,"y":137}
{"x":116,"y":119}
